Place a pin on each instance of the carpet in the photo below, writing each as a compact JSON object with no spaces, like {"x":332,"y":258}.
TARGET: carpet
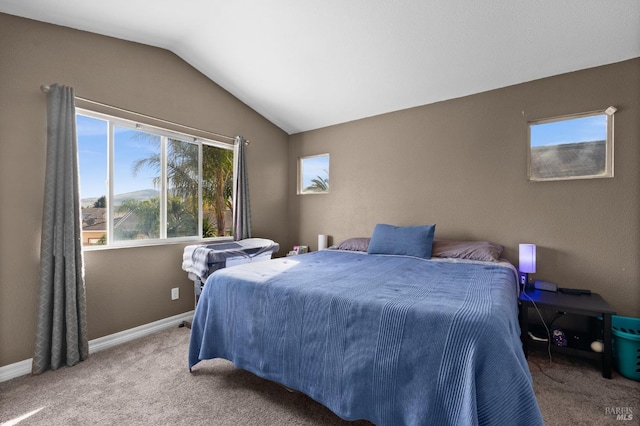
{"x":147,"y":382}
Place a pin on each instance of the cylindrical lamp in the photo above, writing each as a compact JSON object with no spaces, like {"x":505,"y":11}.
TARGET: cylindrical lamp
{"x":527,"y":262}
{"x":322,"y":241}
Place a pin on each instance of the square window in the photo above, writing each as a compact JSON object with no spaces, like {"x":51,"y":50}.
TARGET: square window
{"x":313,"y":174}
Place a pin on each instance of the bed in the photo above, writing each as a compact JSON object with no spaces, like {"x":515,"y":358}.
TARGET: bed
{"x":394,"y":339}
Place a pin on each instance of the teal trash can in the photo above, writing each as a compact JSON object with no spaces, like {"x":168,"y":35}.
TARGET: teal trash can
{"x":626,"y":345}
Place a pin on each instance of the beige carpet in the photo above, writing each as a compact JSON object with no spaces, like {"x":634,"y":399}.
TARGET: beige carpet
{"x":573,"y":392}
{"x":146,"y":382}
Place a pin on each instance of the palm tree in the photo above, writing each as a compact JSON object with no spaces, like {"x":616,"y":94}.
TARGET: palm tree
{"x":182,"y":175}
{"x":319,"y":184}
{"x":217,"y":179}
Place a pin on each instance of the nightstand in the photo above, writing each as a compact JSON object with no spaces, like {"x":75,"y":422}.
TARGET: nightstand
{"x":591,"y":305}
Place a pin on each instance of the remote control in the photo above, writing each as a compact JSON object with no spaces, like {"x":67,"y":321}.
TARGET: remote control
{"x":575,"y":291}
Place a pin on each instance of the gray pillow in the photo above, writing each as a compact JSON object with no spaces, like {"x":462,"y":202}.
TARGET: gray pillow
{"x":474,"y":250}
{"x":353,"y":244}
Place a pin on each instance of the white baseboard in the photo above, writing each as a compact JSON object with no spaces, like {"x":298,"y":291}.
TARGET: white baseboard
{"x":102,"y":343}
{"x":16,"y":369}
{"x":21,"y":368}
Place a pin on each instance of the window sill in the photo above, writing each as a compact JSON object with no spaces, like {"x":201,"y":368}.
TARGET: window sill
{"x":153,"y":243}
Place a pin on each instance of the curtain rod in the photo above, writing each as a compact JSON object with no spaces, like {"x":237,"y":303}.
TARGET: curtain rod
{"x":46,"y":89}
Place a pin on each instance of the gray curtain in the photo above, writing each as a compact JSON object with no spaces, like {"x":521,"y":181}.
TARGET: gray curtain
{"x":61,"y":334}
{"x":241,"y":210}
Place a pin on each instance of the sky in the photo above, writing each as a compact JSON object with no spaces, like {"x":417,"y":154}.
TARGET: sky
{"x":314,"y":167}
{"x":92,"y":153}
{"x":583,"y":129}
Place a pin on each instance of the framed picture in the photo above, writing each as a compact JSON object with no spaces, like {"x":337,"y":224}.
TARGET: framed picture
{"x":578,"y":146}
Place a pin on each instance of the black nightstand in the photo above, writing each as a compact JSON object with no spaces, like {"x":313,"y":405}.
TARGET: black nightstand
{"x":591,"y":305}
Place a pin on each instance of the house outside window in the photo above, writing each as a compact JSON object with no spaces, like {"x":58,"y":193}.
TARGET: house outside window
{"x":141,"y":184}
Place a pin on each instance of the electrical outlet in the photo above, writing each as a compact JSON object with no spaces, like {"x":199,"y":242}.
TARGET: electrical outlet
{"x":175,"y":293}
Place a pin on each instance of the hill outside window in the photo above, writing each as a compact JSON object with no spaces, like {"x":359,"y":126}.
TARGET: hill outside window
{"x":141,"y":184}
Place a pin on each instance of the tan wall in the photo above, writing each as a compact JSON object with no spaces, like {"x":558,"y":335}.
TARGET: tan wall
{"x":125,"y":287}
{"x":462,"y":164}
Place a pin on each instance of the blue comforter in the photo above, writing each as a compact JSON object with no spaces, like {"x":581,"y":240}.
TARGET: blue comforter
{"x":392,"y":339}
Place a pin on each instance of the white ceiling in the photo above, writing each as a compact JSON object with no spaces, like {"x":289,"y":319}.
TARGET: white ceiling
{"x":307,"y":64}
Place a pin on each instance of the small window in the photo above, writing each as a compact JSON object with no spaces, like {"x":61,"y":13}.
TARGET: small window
{"x":313,"y":174}
{"x":572,"y":147}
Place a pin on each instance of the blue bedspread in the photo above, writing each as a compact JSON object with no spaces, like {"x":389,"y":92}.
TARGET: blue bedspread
{"x":392,"y":339}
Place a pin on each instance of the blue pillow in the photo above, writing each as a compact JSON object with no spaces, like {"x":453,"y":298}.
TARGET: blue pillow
{"x":402,"y":240}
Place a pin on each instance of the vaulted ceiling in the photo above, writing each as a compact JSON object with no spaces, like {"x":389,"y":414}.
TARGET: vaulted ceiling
{"x":308,"y":64}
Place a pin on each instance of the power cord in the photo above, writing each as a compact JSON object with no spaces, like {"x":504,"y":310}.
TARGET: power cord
{"x":524,"y":292}
{"x":558,"y":315}
{"x":546,"y":374}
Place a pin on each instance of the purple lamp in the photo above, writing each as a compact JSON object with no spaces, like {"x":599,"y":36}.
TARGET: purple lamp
{"x":527,"y":262}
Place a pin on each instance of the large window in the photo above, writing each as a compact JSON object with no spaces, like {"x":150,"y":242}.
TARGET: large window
{"x":142,"y":184}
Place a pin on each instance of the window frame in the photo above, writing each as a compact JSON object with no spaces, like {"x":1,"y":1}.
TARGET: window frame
{"x":609,"y":142}
{"x":300,"y":183}
{"x":165,"y":134}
